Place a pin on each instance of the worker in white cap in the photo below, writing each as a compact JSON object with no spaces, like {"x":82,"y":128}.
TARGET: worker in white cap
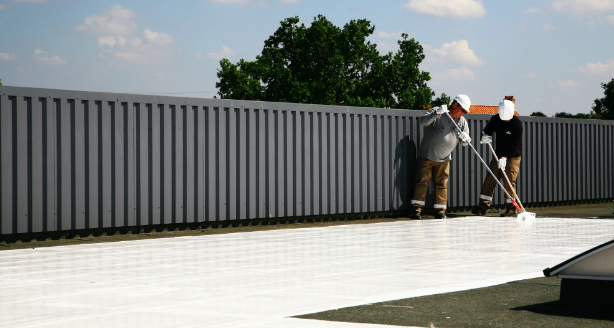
{"x":508,"y":129}
{"x":433,"y":162}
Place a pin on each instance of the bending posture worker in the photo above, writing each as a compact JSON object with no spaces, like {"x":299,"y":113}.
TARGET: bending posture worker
{"x":509,"y":148}
{"x":433,"y":163}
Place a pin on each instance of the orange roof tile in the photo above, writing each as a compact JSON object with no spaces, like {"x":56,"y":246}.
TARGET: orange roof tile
{"x":486,"y":109}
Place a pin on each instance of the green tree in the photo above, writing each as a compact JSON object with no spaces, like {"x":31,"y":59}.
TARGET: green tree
{"x":444,"y":99}
{"x":325,"y":64}
{"x":605,"y":106}
{"x":538,"y":114}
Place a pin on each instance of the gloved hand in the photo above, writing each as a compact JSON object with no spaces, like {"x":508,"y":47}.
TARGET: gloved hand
{"x":502,"y":163}
{"x":464,"y":137}
{"x":441,"y":110}
{"x":486,"y":139}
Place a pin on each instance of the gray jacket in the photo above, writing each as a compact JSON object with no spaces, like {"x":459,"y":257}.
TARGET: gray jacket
{"x":440,"y":136}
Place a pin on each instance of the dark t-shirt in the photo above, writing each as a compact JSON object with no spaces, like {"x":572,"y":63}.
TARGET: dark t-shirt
{"x":509,"y":136}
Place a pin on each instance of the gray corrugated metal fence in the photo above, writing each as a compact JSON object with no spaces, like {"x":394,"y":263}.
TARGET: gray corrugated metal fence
{"x":81,"y":160}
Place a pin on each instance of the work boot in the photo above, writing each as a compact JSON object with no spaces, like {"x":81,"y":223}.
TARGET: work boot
{"x":441,"y":215}
{"x":481,"y":209}
{"x":416,"y":209}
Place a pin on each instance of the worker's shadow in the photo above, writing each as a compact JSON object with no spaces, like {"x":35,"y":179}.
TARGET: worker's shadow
{"x":404,"y":164}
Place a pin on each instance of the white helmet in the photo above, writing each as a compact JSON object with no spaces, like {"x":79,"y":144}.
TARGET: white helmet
{"x":464,"y":101}
{"x":506,"y":110}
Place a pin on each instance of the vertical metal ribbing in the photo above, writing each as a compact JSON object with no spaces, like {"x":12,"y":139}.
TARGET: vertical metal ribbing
{"x":231,"y":163}
{"x":354,"y":164}
{"x":377,"y":155}
{"x":159,"y":162}
{"x":325,"y":156}
{"x":370,"y":156}
{"x":119,"y":177}
{"x":129,"y":165}
{"x":91,"y":163}
{"x":307,"y":163}
{"x":49,"y":161}
{"x":363,"y":158}
{"x":6,"y":164}
{"x":289,"y":172}
{"x":334,"y":163}
{"x":347,"y":163}
{"x":250,"y":144}
{"x":189,"y":167}
{"x":315,"y":191}
{"x":21,"y":166}
{"x":37,"y":191}
{"x":78,"y":108}
{"x":271,"y":196}
{"x":211,"y":193}
{"x":242,"y":163}
{"x":105,"y":176}
{"x":260,"y":163}
{"x":199,"y":166}
{"x":178,"y":167}
{"x":222,"y":158}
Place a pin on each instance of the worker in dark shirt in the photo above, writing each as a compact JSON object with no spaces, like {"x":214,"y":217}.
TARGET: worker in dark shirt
{"x":508,"y":149}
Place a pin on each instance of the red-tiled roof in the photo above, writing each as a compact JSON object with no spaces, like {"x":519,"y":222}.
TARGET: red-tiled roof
{"x":486,"y":109}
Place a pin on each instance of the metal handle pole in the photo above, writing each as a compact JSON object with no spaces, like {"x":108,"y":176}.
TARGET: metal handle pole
{"x":486,"y":165}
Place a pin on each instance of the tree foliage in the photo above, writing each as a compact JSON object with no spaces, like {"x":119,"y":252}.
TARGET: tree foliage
{"x":325,"y":64}
{"x":605,"y":106}
{"x":591,"y":115}
{"x":538,"y":114}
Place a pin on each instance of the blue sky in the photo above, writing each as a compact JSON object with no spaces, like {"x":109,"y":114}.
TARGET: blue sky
{"x":550,"y":55}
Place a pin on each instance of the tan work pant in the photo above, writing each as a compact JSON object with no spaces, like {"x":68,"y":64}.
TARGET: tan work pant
{"x":488,"y":188}
{"x":427,"y":170}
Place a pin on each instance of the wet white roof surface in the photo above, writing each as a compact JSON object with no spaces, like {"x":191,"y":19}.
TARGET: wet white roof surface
{"x":259,"y":279}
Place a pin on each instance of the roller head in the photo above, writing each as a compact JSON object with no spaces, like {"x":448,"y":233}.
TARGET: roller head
{"x":525,"y":219}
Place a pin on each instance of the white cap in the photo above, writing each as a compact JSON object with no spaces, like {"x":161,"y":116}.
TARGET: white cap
{"x":506,"y":110}
{"x":464,"y":101}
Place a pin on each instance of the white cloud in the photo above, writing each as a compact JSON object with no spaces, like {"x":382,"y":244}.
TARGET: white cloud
{"x":7,"y":56}
{"x":289,"y":1}
{"x":532,"y":10}
{"x":531,"y":75}
{"x":567,"y":84}
{"x":598,"y":69}
{"x":226,"y":52}
{"x":548,"y":27}
{"x":459,"y":52}
{"x":454,"y":74}
{"x":31,"y":1}
{"x":119,"y":40}
{"x":610,"y":19}
{"x":385,"y":35}
{"x":115,"y":21}
{"x":583,"y":6}
{"x":447,"y":8}
{"x":43,"y":57}
{"x":106,"y":41}
{"x":157,"y":37}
